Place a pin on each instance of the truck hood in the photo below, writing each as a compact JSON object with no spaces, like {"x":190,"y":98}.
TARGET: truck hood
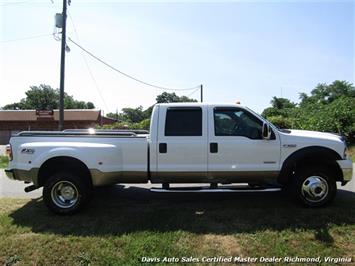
{"x":315,"y":135}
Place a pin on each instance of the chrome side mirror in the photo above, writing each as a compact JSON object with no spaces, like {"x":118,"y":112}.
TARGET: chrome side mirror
{"x":266,"y":132}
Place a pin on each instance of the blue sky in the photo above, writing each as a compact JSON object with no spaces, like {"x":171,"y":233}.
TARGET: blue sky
{"x":246,"y":50}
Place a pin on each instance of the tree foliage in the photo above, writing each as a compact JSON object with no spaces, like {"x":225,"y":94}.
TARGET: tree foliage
{"x":44,"y":97}
{"x":167,"y":97}
{"x":138,"y":118}
{"x":279,"y":107}
{"x":329,"y":107}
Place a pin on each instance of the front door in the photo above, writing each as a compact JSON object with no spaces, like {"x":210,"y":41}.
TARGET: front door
{"x":237,"y":151}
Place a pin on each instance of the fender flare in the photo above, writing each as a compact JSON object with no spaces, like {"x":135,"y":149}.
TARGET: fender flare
{"x":313,"y":153}
{"x":80,"y":165}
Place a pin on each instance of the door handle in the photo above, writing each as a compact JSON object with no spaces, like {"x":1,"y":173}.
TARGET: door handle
{"x":163,"y":148}
{"x":213,"y":147}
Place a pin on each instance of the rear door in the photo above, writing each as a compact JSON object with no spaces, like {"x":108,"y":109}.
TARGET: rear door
{"x":182,"y":144}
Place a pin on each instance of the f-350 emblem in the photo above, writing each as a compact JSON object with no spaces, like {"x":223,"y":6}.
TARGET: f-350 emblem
{"x":27,"y":151}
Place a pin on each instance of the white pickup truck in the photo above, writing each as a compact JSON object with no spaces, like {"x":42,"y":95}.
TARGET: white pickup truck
{"x":188,"y":143}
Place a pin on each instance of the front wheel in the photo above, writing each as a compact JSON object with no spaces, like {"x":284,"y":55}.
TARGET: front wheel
{"x":65,"y":193}
{"x":314,"y":187}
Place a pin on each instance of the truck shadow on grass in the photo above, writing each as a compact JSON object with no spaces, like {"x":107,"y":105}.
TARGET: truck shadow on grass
{"x":118,"y":210}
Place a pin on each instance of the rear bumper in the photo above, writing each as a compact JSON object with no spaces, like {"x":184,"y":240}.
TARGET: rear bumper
{"x":10,"y":173}
{"x":346,"y":167}
{"x":23,"y":175}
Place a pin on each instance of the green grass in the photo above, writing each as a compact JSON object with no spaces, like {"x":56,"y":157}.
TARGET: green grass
{"x":4,"y":160}
{"x":120,"y":226}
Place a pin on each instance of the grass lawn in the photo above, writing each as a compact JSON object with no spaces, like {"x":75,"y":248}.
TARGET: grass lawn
{"x":4,"y":160}
{"x":120,"y":226}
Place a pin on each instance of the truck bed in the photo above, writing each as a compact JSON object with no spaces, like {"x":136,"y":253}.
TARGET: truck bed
{"x":111,"y":157}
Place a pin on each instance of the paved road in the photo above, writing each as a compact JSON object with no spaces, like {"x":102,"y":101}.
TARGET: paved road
{"x":10,"y":188}
{"x":2,"y":149}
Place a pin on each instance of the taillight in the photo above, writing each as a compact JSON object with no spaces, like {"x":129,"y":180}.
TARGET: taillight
{"x":9,"y":151}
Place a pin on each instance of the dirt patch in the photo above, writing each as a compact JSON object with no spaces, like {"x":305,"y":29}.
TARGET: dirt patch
{"x":224,"y":243}
{"x":212,"y":244}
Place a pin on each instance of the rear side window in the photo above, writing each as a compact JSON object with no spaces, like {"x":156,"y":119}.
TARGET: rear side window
{"x":183,"y":122}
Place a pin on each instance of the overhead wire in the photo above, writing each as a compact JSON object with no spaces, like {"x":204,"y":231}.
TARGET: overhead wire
{"x":98,"y":59}
{"x":127,"y":75}
{"x":27,"y":38}
{"x":197,"y":89}
{"x":12,"y":3}
{"x":87,"y":65}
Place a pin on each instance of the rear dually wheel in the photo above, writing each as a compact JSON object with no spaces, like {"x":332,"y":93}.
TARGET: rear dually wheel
{"x":65,"y":193}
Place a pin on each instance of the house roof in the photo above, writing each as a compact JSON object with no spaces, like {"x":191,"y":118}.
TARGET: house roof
{"x":69,"y":115}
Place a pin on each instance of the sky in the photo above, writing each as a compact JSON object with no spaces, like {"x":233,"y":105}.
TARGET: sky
{"x":247,"y":51}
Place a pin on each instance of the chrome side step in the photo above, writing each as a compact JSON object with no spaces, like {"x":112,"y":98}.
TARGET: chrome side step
{"x":212,"y":190}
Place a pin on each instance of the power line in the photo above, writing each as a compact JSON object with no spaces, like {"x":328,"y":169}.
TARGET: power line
{"x":87,"y":65}
{"x":13,"y":3}
{"x":127,"y":75}
{"x":27,"y":38}
{"x":197,"y":89}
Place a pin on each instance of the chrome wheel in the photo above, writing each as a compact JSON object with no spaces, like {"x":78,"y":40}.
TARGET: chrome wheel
{"x":64,"y":194}
{"x":314,"y":188}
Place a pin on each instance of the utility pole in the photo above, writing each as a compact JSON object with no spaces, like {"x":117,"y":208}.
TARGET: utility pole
{"x":62,"y":66}
{"x":201,"y":93}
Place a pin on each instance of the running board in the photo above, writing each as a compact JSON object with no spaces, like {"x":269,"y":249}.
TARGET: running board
{"x":213,"y":190}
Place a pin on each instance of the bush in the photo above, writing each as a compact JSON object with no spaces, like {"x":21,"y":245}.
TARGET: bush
{"x":281,"y":122}
{"x":144,"y":124}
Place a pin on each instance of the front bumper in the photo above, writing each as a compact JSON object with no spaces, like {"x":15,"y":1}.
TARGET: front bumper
{"x":346,"y":167}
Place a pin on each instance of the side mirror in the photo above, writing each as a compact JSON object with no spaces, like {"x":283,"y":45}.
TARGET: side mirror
{"x":266,"y":132}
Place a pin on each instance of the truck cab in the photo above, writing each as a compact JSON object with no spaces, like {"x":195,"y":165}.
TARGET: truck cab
{"x":211,"y":143}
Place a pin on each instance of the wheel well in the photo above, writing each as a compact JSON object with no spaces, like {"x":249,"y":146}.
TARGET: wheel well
{"x":332,"y":166}
{"x":63,"y":163}
{"x":308,"y":157}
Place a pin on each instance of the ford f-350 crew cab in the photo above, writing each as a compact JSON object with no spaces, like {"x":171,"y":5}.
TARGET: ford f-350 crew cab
{"x":188,"y":143}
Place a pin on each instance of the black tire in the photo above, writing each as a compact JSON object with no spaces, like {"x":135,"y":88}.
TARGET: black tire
{"x":314,"y":186}
{"x":65,"y":193}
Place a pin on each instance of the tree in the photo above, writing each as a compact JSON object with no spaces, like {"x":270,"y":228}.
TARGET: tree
{"x":329,"y":107}
{"x":133,"y":115}
{"x":167,"y":97}
{"x":138,"y":118}
{"x":282,"y":103}
{"x":323,"y":93}
{"x":280,"y":107}
{"x":44,"y":97}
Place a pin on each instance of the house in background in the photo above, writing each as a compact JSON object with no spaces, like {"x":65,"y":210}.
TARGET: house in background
{"x":14,"y":121}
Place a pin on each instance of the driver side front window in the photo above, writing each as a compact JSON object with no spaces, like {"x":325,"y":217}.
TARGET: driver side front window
{"x":236,"y":122}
